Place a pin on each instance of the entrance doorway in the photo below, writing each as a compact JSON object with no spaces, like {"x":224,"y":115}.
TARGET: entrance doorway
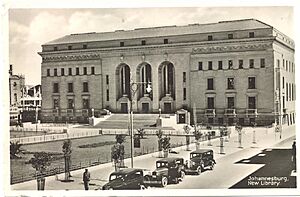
{"x":145,"y":107}
{"x":124,"y":107}
{"x":168,"y":108}
{"x":181,"y":119}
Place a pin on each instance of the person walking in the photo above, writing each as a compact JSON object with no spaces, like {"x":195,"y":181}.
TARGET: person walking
{"x":294,"y":155}
{"x":86,"y":179}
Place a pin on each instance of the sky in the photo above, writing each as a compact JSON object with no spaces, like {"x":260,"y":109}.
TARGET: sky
{"x":30,"y":28}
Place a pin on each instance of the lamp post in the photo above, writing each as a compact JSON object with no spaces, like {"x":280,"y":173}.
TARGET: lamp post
{"x":36,"y":118}
{"x":239,"y":130}
{"x":134,"y":86}
{"x":253,"y":137}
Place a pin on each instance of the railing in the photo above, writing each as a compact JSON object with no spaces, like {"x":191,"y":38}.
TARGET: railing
{"x":252,"y":112}
{"x":230,"y":112}
{"x":210,"y":112}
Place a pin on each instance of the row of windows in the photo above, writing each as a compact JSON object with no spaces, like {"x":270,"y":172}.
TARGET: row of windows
{"x":231,"y":103}
{"x":71,"y":103}
{"x":230,"y":64}
{"x":70,"y":71}
{"x":165,"y":41}
{"x":85,"y":87}
{"x":231,"y":83}
{"x":290,"y":92}
{"x":288,"y":65}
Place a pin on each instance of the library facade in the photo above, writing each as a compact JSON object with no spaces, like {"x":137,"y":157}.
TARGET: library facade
{"x":240,"y":71}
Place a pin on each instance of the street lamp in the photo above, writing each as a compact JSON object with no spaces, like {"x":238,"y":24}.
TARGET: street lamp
{"x":254,"y":139}
{"x":239,"y":130}
{"x":134,"y":86}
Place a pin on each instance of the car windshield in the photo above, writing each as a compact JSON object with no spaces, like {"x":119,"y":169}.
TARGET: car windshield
{"x":116,"y":176}
{"x":193,"y":155}
{"x":161,"y":164}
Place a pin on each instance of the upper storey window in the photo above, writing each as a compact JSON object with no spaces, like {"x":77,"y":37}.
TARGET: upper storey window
{"x":69,"y":47}
{"x":143,"y":42}
{"x":251,"y":34}
{"x":209,"y":37}
{"x":55,"y":48}
{"x":121,"y":44}
{"x":84,"y":46}
{"x":230,"y":36}
{"x":166,"y":41}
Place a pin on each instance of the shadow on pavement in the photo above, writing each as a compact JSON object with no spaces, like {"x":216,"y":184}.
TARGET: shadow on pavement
{"x":276,"y":173}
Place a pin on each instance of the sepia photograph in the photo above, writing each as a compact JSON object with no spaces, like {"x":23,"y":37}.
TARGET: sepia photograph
{"x":155,"y":99}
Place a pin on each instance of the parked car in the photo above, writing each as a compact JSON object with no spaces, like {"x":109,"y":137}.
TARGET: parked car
{"x":167,"y":170}
{"x":127,"y":178}
{"x":200,"y":160}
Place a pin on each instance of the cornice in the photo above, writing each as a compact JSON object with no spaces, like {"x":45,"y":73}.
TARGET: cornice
{"x":69,"y":57}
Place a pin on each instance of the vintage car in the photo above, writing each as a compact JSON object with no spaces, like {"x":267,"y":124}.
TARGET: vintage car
{"x":200,"y":160}
{"x":125,"y":179}
{"x":167,"y":170}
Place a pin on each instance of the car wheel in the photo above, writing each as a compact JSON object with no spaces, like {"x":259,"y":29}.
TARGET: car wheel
{"x":182,"y":174}
{"x":142,"y":187}
{"x":199,"y":170}
{"x":164,"y":181}
{"x":212,"y":166}
{"x":176,"y":180}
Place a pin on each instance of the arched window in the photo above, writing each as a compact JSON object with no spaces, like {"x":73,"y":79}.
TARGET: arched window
{"x":123,"y":80}
{"x":144,"y":75}
{"x":167,"y":78}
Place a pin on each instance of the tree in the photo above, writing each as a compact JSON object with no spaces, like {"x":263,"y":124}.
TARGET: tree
{"x":15,"y":150}
{"x":198,"y":134}
{"x":67,"y":150}
{"x":141,"y":133}
{"x":165,"y":144}
{"x":40,"y":162}
{"x":159,"y":135}
{"x":118,"y":152}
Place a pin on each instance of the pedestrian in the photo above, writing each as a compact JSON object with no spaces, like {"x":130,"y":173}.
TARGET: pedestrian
{"x":294,"y":155}
{"x":86,"y":179}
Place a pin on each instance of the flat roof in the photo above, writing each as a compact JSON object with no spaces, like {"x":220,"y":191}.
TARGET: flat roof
{"x":174,"y":30}
{"x":201,"y":151}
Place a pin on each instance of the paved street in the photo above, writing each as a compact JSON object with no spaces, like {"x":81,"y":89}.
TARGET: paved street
{"x":227,"y":172}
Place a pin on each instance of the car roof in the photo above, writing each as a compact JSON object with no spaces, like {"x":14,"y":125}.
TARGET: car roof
{"x":126,"y":171}
{"x":202,"y":151}
{"x":170,"y":159}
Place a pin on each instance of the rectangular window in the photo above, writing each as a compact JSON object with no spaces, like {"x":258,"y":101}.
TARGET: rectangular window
{"x":77,"y":71}
{"x":200,"y":66}
{"x":230,"y":65}
{"x":230,"y":83}
{"x":85,"y":103}
{"x":107,"y":94}
{"x":283,"y":102}
{"x":262,"y":63}
{"x":55,"y":103}
{"x":85,"y":70}
{"x":69,"y":47}
{"x":278,"y":63}
{"x":48,"y":72}
{"x":71,"y":104}
{"x":241,"y":64}
{"x":220,"y":65}
{"x":210,"y":65}
{"x":210,"y":121}
{"x":62,"y":72}
{"x":251,"y":34}
{"x":121,"y":44}
{"x":283,"y":61}
{"x":251,"y":63}
{"x":210,"y":84}
{"x":210,"y":102}
{"x":70,"y":71}
{"x":210,"y":38}
{"x":107,"y":79}
{"x":84,"y":46}
{"x":184,"y":77}
{"x":283,"y":82}
{"x":85,"y":87}
{"x":230,"y":102}
{"x":92,"y":70}
{"x":143,"y":42}
{"x":55,"y":71}
{"x":251,"y":102}
{"x":251,"y":83}
{"x":286,"y":65}
{"x":184,"y":94}
{"x":287,"y":91}
{"x":70,"y":87}
{"x":230,"y":36}
{"x":166,"y":41}
{"x":55,"y":49}
{"x":55,"y":88}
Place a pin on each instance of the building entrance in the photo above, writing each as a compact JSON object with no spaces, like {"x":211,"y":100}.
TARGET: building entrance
{"x":145,"y":107}
{"x":124,"y":108}
{"x":168,"y":108}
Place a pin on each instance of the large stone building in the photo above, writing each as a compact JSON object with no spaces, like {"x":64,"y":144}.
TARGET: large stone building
{"x":226,"y":72}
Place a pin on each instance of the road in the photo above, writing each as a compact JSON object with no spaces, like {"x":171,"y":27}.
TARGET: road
{"x":233,"y":168}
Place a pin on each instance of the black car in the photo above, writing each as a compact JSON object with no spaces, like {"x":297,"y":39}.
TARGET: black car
{"x":200,"y":160}
{"x":128,"y":178}
{"x":167,"y":170}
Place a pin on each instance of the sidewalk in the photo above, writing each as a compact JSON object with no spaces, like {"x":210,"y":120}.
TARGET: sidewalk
{"x":264,"y":138}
